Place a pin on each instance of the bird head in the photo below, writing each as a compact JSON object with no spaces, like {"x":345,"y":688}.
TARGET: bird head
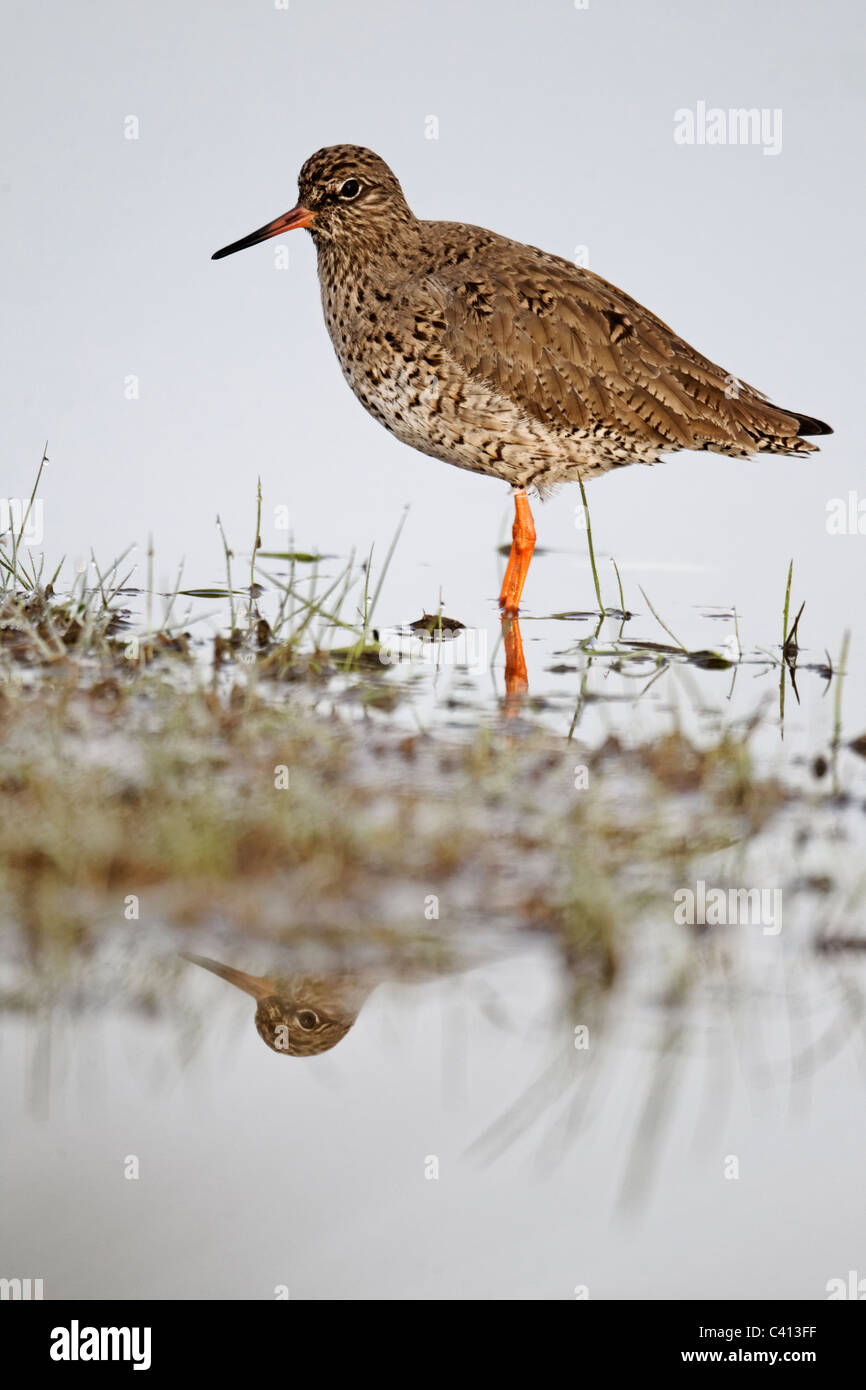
{"x":346,"y":195}
{"x":300,"y":1015}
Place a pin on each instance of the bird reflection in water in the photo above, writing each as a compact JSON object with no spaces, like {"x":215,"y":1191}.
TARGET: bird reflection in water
{"x":299,"y":1015}
{"x":516,"y":680}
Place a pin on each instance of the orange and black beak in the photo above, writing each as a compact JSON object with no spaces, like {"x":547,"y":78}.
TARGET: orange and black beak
{"x":256,"y":985}
{"x":298,"y":217}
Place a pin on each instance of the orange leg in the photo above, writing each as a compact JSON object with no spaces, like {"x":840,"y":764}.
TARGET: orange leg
{"x":516,"y":682}
{"x":522,"y":546}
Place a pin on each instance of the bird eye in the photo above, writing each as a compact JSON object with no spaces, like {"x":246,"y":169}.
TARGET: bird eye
{"x":351,"y":188}
{"x":308,"y":1019}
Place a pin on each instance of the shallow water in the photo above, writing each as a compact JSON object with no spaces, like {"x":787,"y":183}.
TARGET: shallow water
{"x":456,"y":1143}
{"x":664,"y":661}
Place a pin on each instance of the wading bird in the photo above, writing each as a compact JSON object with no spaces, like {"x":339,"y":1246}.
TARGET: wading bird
{"x":503,"y":359}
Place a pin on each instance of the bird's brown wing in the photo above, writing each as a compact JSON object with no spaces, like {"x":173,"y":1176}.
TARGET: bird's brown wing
{"x":578,"y":354}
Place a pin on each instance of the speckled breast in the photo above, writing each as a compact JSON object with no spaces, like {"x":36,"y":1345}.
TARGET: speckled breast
{"x":389,"y":343}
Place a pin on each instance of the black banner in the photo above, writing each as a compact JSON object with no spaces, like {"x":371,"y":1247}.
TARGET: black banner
{"x":75,"y":1338}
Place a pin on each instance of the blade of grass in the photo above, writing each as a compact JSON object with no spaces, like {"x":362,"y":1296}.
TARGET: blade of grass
{"x":16,"y":540}
{"x":229,"y":585}
{"x":601,"y":607}
{"x":368,"y":616}
{"x":663,"y":624}
{"x":257,"y":545}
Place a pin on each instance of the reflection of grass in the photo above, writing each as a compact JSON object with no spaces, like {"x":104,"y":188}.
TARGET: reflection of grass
{"x":131,"y":771}
{"x":187,"y":805}
{"x":185,"y":812}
